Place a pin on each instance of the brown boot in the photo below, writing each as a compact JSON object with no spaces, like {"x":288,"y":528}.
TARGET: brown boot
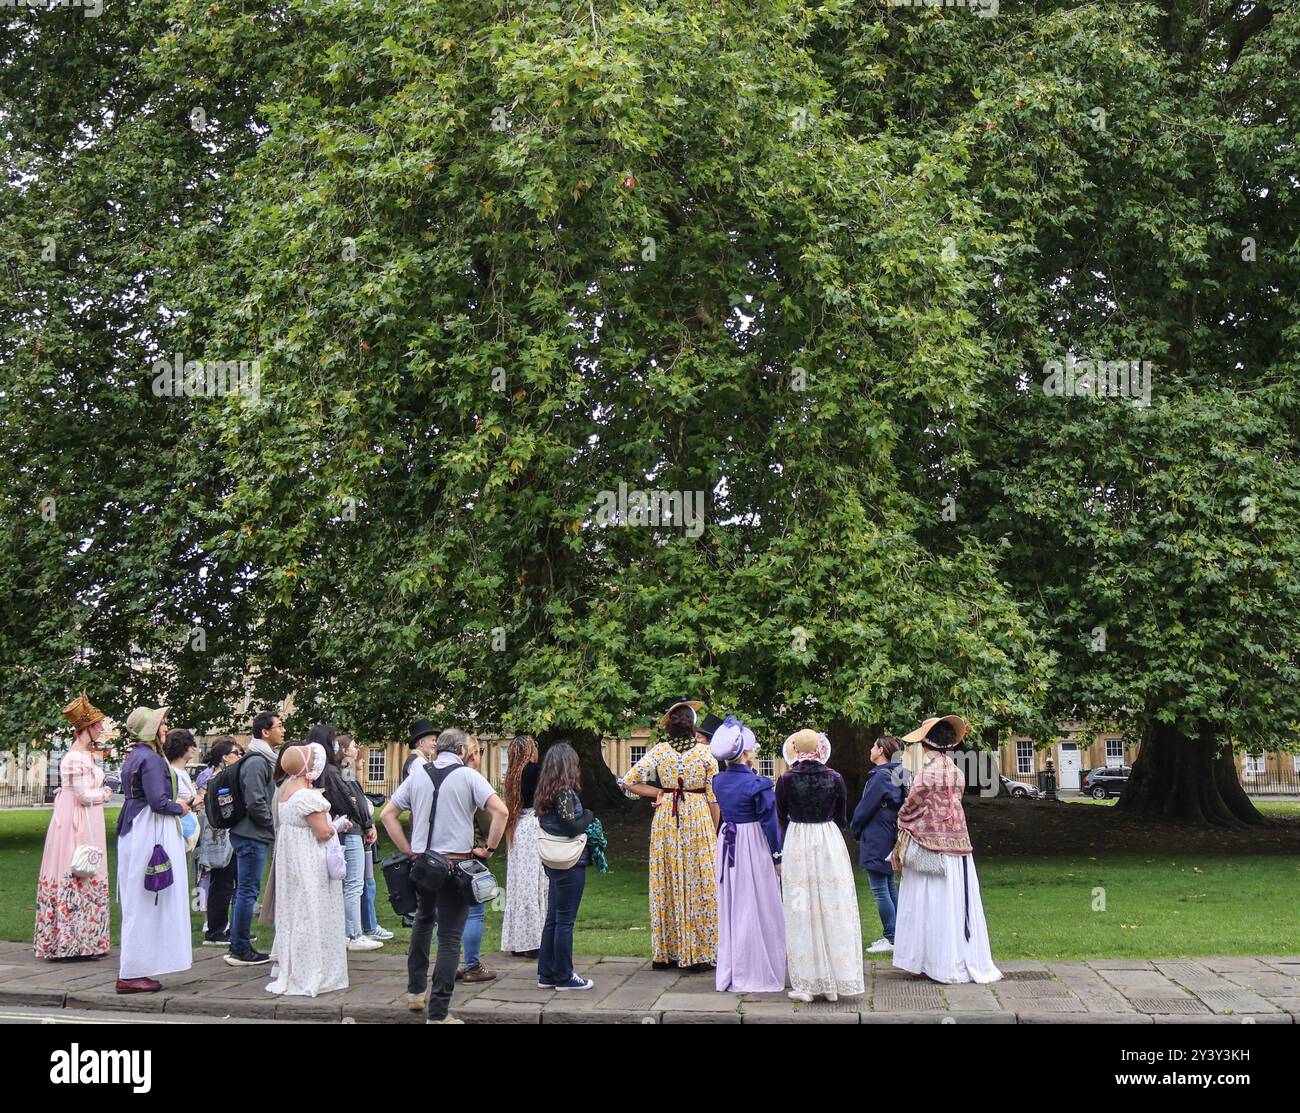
{"x":476,"y":973}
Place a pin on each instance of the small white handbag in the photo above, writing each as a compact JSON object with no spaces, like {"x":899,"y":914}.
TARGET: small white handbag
{"x":558,"y":852}
{"x":86,"y":861}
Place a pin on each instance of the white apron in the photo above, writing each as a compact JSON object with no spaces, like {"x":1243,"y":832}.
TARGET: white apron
{"x":156,"y":937}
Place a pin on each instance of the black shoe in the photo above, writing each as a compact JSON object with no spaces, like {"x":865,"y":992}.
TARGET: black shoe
{"x":662,"y":965}
{"x":526,"y":954}
{"x":248,"y":958}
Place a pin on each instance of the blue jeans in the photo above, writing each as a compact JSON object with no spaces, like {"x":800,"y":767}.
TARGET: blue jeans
{"x":369,"y":921}
{"x":885,"y":889}
{"x":250,"y":859}
{"x":353,"y":883}
{"x":555,"y":962}
{"x":473,"y":938}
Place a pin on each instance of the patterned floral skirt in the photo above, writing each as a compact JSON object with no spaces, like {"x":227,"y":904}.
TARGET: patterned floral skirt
{"x":71,"y":917}
{"x":683,"y":890}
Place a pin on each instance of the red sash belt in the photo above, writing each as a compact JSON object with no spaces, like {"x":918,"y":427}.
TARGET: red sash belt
{"x":677,"y":793}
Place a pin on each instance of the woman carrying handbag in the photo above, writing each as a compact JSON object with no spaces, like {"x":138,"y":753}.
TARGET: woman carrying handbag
{"x":562,"y":845}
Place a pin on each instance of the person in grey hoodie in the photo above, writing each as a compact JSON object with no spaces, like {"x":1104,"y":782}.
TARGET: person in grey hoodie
{"x":253,"y":835}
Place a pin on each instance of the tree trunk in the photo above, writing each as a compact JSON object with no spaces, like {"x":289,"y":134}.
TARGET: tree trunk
{"x":851,"y":755}
{"x":600,"y":788}
{"x":1187,"y":774}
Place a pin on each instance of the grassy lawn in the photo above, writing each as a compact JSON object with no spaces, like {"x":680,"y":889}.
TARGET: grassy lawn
{"x":1037,"y":907}
{"x":1267,"y":807}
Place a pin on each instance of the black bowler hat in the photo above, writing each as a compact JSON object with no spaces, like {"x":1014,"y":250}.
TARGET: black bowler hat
{"x":709,"y":724}
{"x":421,"y":728}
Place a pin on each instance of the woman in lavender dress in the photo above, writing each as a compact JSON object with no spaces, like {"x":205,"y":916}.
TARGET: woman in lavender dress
{"x":751,"y":923}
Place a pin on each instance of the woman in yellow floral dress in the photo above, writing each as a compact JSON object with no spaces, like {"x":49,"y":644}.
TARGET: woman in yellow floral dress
{"x":683,"y":844}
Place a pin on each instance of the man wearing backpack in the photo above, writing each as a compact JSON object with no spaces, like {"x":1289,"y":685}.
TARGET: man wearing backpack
{"x":253,"y":835}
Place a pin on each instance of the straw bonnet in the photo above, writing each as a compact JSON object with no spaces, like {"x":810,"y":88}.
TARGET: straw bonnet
{"x":805,"y":744}
{"x":82,"y":714}
{"x":693,"y":704}
{"x":959,"y":725}
{"x":143,"y":723}
{"x":731,"y":739}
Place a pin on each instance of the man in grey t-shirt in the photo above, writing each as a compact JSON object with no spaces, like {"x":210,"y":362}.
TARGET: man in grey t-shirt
{"x":463,"y":791}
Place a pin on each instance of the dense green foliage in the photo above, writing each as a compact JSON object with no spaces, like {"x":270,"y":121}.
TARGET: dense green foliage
{"x":809,"y":260}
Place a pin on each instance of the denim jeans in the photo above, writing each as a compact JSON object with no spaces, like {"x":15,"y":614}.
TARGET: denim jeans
{"x":473,"y":941}
{"x":353,"y":883}
{"x":369,"y":921}
{"x":884,"y":888}
{"x":250,"y":856}
{"x":555,"y":962}
{"x":449,"y":910}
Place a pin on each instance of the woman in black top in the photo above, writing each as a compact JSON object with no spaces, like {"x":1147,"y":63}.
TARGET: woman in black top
{"x":360,"y":832}
{"x":560,"y":813}
{"x":526,"y":892}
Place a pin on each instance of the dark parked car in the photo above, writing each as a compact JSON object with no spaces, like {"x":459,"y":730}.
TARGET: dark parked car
{"x":1103,"y":783}
{"x":1018,"y":789}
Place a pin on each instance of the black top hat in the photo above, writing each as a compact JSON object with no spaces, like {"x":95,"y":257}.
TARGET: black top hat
{"x":421,"y":728}
{"x":708,"y":725}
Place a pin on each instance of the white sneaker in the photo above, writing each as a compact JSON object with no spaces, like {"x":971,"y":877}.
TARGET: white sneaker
{"x":880,"y":947}
{"x":800,"y":995}
{"x":364,"y":943}
{"x":448,"y":1019}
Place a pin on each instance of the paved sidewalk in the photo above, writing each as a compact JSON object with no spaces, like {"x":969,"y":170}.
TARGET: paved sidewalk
{"x":628,"y":991}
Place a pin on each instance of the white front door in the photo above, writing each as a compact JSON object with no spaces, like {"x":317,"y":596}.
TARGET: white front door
{"x":1070,"y":766}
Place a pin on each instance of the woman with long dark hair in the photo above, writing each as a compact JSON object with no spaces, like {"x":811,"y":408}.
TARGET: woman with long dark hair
{"x":683,"y":843}
{"x":526,"y":893}
{"x":358,"y":831}
{"x":215,"y":857}
{"x":560,"y":813}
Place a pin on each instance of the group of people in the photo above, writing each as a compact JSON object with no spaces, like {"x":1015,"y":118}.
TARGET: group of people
{"x":752,"y":880}
{"x":302,"y":803}
{"x":748,"y":879}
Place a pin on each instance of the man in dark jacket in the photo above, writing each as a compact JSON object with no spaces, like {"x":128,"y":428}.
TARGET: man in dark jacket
{"x":875,"y":826}
{"x":252,"y":837}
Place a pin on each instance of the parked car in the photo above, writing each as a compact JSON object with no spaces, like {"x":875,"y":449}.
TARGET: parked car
{"x":1018,"y":789}
{"x":1105,"y":782}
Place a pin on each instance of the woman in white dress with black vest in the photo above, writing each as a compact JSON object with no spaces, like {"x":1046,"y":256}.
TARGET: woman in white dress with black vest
{"x":310,"y":947}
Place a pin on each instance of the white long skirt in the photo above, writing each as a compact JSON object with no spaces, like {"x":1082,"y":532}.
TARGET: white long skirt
{"x":823,"y":934}
{"x":156,"y":936}
{"x":930,"y":936}
{"x":526,"y":889}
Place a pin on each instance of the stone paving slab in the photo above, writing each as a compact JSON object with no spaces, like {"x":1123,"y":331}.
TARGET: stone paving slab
{"x":628,"y":991}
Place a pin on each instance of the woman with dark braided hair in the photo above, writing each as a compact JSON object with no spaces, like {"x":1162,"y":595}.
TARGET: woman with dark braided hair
{"x":683,"y":843}
{"x":526,"y":887}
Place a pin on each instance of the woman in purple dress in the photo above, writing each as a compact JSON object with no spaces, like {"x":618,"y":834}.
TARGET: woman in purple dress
{"x":751,"y":923}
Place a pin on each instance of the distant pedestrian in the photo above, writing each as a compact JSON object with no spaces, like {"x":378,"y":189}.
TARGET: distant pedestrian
{"x":875,"y":826}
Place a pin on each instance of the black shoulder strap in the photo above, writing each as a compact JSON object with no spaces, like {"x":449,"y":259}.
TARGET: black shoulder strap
{"x":436,"y":777}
